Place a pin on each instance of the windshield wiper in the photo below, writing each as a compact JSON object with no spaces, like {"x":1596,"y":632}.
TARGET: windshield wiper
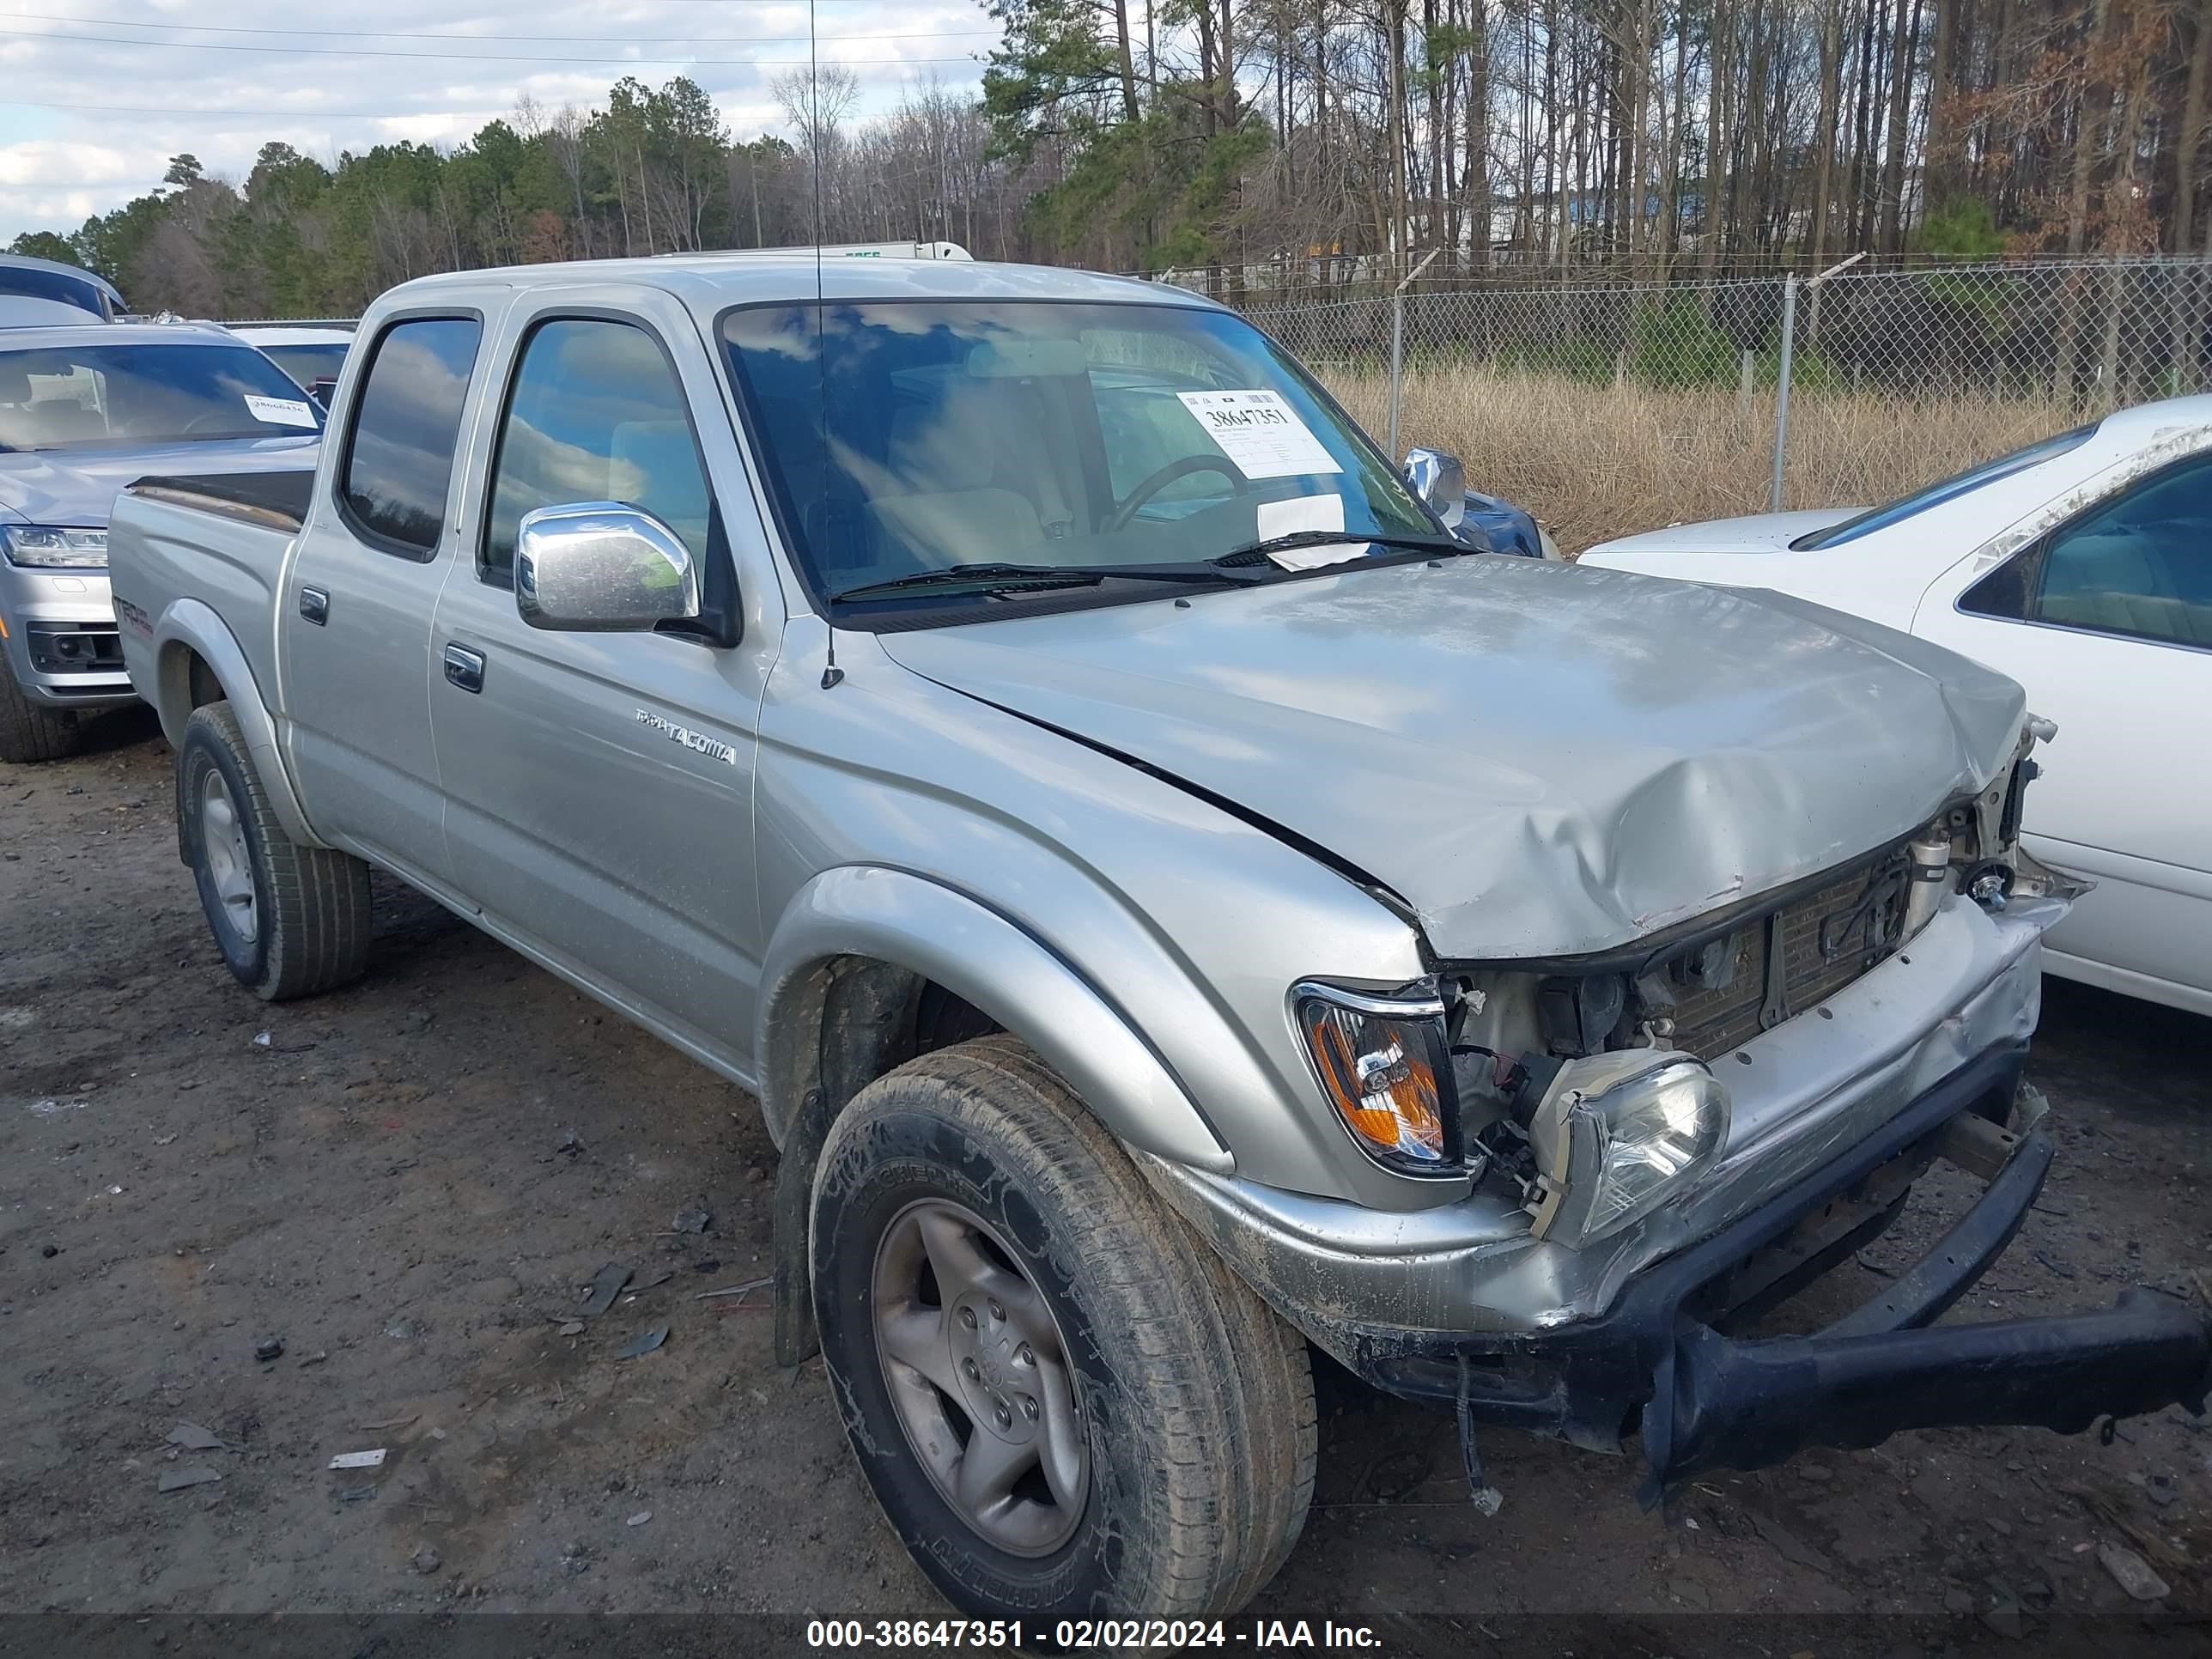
{"x":1257,"y":552}
{"x":990,"y":577}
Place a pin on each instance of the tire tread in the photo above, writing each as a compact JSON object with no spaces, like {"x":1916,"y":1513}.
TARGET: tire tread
{"x":30,"y":733}
{"x":318,"y":901}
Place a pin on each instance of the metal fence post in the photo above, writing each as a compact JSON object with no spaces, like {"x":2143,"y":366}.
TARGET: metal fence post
{"x":1785,"y":369}
{"x":1398,"y":344}
{"x":1781,"y":389}
{"x":1397,"y":362}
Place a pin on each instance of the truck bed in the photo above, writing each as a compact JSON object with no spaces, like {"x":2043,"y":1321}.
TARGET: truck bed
{"x":179,"y":547}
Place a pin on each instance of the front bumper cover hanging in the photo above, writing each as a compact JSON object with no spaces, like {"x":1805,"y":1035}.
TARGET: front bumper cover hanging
{"x":1654,"y":1363}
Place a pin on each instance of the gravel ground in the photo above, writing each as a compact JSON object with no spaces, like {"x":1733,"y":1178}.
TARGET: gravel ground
{"x":404,"y":1183}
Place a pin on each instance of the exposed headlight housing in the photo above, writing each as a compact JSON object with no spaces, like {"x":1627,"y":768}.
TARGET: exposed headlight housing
{"x":53,"y":547}
{"x":1382,"y":1063}
{"x":1616,"y":1133}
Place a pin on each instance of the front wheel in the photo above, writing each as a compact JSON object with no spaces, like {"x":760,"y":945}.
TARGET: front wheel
{"x":31,"y":732}
{"x":1067,"y":1406}
{"x":289,"y":920}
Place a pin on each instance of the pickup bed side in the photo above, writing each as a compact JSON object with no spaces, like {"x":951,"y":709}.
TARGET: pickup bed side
{"x":196,"y":604}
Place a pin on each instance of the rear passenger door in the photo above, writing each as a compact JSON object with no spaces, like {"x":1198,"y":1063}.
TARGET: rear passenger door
{"x":354,"y":623}
{"x":2107,"y":622}
{"x":586,"y":833}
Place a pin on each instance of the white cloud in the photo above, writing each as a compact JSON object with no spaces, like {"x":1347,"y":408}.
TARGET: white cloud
{"x":48,"y":162}
{"x":59,"y":165}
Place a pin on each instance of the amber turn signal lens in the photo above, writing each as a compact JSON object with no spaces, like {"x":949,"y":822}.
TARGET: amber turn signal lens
{"x":1379,"y":1071}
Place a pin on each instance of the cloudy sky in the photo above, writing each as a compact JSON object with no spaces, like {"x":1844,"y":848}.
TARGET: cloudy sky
{"x":95,"y":95}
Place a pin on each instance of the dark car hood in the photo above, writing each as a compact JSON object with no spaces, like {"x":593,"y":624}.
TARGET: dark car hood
{"x":1542,"y":761}
{"x":78,"y":486}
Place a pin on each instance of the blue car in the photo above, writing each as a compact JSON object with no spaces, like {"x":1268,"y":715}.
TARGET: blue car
{"x":1497,"y":526}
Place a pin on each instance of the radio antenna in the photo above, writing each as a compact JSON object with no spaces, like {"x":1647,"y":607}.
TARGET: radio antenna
{"x":831,"y":674}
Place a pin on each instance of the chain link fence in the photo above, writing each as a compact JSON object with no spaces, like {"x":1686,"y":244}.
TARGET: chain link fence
{"x":1606,"y":408}
{"x":2092,"y":335}
{"x":1662,"y":401}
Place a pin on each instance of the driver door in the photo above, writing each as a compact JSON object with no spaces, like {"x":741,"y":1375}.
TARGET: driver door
{"x":620,"y":855}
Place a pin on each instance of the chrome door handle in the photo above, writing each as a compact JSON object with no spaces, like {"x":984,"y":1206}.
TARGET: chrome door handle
{"x":315,"y":605}
{"x":464,"y":667}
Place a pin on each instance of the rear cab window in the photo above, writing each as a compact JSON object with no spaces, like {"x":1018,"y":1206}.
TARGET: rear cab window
{"x":404,"y":431}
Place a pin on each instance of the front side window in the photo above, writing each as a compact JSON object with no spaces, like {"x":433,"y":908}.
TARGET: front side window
{"x":1936,"y":495}
{"x":406,"y":426}
{"x":143,"y":394}
{"x":2139,"y":566}
{"x":596,"y":414}
{"x":905,"y":438}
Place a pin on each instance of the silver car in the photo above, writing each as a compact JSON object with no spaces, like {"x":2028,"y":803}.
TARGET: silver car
{"x":1172,"y":899}
{"x":83,"y":412}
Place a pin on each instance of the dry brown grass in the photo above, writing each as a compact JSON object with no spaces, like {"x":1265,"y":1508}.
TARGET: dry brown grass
{"x":1597,"y":461}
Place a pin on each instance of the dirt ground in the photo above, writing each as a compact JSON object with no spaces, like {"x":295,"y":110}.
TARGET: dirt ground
{"x":406,"y":1183}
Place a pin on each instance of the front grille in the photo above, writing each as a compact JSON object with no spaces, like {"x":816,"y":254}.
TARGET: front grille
{"x":1723,"y":996}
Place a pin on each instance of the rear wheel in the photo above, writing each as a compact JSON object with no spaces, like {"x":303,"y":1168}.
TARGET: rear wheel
{"x":32,"y":732}
{"x":290,"y":921}
{"x":1065,"y":1405}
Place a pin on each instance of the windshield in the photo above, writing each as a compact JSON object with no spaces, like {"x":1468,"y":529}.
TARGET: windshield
{"x":58,"y":285}
{"x":1950,"y":489}
{"x":96,"y":397}
{"x":308,"y":363}
{"x":907,"y":437}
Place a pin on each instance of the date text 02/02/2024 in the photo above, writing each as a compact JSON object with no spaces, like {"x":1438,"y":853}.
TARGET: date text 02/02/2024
{"x":951,"y":1634}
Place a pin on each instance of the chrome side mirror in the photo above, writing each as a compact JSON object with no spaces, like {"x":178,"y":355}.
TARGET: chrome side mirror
{"x":1439,"y":480}
{"x":595,"y":566}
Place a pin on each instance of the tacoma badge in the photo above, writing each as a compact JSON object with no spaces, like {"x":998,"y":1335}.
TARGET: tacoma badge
{"x":698,"y":743}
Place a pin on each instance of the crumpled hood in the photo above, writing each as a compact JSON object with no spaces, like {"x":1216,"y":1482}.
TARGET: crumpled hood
{"x":1542,"y":761}
{"x":78,"y":486}
{"x":1763,"y":532}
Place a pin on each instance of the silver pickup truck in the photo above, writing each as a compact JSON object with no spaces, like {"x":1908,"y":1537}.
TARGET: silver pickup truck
{"x":1173,"y":900}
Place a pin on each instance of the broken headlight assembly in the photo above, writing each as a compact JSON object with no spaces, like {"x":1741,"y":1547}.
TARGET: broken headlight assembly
{"x":1616,"y":1134}
{"x":1383,"y":1066}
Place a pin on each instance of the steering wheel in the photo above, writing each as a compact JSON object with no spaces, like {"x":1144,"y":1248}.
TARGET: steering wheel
{"x":1149,"y":487}
{"x":199,"y":421}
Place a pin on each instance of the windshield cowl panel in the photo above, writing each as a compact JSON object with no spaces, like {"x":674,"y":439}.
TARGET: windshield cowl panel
{"x":146,"y":395}
{"x":943,"y":459}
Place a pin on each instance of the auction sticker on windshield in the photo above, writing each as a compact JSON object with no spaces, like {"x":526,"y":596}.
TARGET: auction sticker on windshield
{"x":1260,"y":433}
{"x":279,"y":412}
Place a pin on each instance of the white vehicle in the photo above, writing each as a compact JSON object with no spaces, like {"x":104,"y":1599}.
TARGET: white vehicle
{"x":311,"y":352}
{"x":2081,"y":566}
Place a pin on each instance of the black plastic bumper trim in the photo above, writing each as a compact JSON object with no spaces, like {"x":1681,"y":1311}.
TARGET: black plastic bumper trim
{"x":1962,"y":1256}
{"x":1750,"y":1405}
{"x":1705,"y":1401}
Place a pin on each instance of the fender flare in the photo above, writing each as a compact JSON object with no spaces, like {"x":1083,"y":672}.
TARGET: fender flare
{"x":942,"y":934}
{"x":907,"y":927}
{"x":191,"y":627}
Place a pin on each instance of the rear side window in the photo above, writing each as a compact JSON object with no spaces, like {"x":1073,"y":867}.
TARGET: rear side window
{"x":406,"y":427}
